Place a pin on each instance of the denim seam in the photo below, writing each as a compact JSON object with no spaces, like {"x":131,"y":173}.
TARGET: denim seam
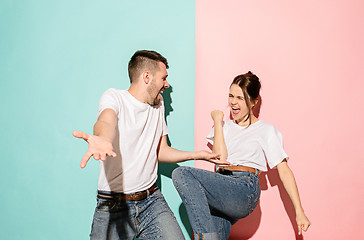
{"x":136,"y":218}
{"x":254,"y":193}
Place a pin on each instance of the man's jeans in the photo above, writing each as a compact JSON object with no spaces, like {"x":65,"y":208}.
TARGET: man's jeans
{"x":150,"y":218}
{"x":215,"y":201}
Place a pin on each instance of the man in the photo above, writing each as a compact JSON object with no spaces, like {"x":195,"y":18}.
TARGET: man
{"x":132,"y":129}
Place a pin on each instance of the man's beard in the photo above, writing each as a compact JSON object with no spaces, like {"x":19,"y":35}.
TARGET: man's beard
{"x":156,"y":100}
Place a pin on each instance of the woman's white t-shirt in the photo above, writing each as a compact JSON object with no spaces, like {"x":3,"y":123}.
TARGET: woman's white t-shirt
{"x":252,"y":146}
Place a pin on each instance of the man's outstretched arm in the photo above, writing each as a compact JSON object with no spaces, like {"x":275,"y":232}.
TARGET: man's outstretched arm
{"x":100,"y":144}
{"x":171,"y":155}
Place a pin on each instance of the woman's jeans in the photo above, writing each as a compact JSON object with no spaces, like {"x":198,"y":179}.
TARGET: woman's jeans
{"x":150,"y":218}
{"x":215,"y":201}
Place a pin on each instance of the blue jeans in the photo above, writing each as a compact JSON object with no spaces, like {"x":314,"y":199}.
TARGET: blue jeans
{"x":214,"y":202}
{"x":150,"y":218}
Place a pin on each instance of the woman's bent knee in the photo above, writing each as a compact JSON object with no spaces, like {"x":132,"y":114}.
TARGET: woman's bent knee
{"x":179,"y":172}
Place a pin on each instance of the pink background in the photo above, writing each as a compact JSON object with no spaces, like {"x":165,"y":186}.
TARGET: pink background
{"x":309,"y":57}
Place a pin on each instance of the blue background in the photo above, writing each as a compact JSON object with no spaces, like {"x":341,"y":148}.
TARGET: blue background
{"x":56,"y":59}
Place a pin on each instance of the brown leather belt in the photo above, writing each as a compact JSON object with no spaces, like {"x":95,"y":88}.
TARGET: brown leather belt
{"x":223,"y":169}
{"x":134,"y":196}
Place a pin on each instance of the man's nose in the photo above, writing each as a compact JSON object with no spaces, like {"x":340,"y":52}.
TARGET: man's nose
{"x":166,"y":85}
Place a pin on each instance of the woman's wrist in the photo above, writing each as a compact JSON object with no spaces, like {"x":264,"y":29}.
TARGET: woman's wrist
{"x":300,"y":211}
{"x":218,"y":121}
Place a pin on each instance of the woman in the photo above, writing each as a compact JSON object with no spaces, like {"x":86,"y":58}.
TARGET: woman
{"x":215,"y":201}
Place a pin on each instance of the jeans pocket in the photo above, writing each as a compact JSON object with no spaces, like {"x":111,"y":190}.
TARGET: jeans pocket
{"x":239,"y":177}
{"x":105,"y":205}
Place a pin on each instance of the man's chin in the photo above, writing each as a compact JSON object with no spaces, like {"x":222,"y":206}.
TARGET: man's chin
{"x":157,"y":100}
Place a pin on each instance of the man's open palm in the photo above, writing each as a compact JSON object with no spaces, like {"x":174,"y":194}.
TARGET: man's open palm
{"x":98,"y":147}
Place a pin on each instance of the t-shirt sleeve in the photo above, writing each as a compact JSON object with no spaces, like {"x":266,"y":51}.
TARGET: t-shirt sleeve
{"x":274,"y":151}
{"x":109,"y":99}
{"x":210,"y":136}
{"x":164,"y":124}
{"x":165,"y":128}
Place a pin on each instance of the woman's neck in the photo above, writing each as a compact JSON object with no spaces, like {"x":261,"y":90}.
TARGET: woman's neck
{"x":249,"y":121}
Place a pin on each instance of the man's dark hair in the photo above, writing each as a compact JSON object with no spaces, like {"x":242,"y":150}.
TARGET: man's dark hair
{"x":144,"y":59}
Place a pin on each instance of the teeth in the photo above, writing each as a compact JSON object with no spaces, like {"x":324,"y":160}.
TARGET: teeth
{"x":234,"y":108}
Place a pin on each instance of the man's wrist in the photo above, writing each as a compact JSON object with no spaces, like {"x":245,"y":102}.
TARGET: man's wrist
{"x":106,"y":139}
{"x":194,"y":155}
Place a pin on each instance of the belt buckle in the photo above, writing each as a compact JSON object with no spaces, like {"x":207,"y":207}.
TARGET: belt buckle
{"x":137,"y":196}
{"x":134,"y":197}
{"x":224,"y":171}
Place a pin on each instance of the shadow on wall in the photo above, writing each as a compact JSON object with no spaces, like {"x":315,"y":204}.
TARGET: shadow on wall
{"x":166,"y":169}
{"x":247,"y":227}
{"x":167,"y":101}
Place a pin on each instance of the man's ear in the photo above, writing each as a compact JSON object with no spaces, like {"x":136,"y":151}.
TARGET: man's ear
{"x":146,"y":77}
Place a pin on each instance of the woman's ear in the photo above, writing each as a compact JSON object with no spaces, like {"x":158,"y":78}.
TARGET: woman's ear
{"x":255,"y":102}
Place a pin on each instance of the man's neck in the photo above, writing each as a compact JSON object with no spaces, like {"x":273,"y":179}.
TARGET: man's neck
{"x":137,"y":93}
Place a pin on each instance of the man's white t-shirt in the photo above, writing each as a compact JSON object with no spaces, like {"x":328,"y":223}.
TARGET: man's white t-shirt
{"x":252,"y":146}
{"x":140,"y":128}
